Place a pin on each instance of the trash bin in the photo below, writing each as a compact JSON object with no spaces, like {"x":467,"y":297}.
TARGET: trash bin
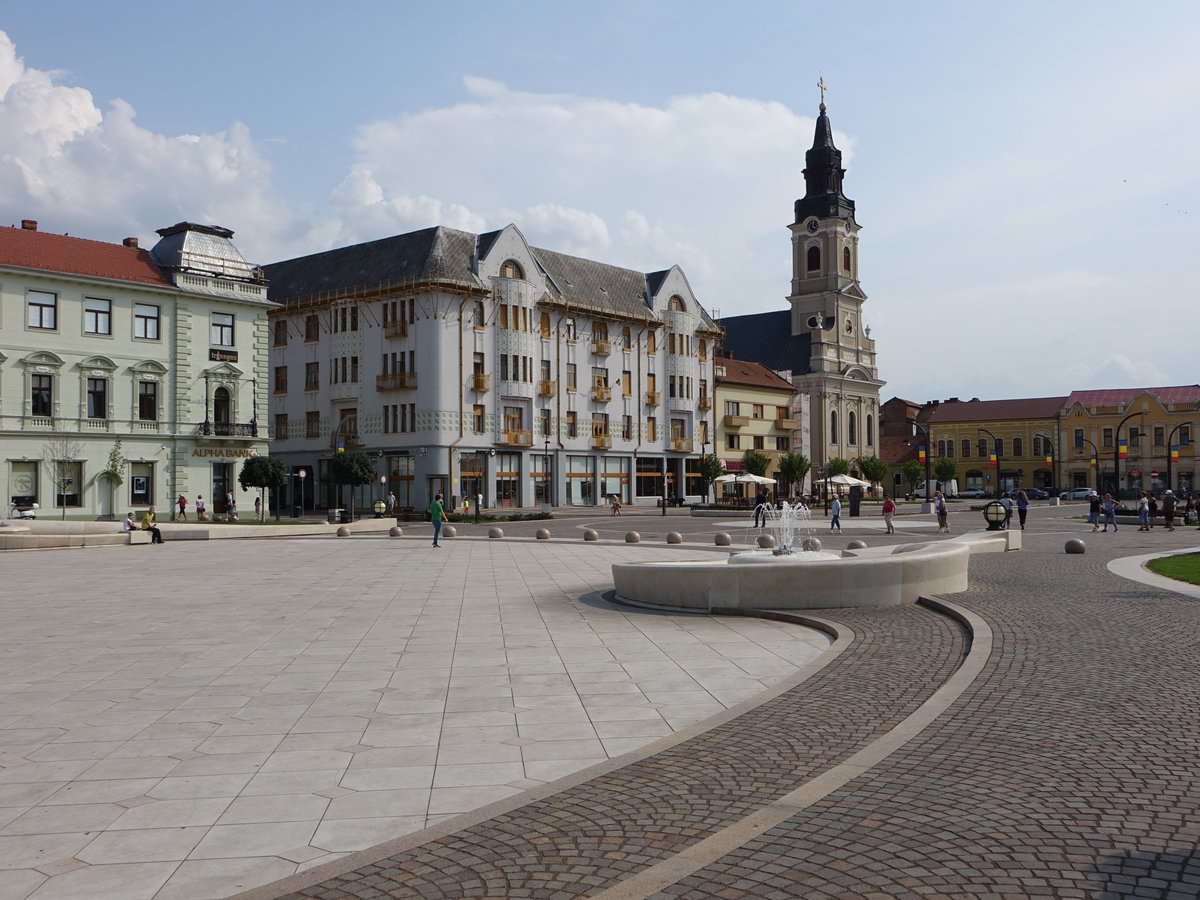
{"x":337,"y":515}
{"x":855,"y":499}
{"x":297,"y":511}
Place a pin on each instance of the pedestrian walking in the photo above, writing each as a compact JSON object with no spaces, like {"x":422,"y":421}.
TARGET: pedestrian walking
{"x":1007,"y":502}
{"x":889,"y":510}
{"x":1109,"y":507}
{"x":1022,"y":507}
{"x":258,"y":507}
{"x":1094,"y":510}
{"x":1153,"y":509}
{"x":943,"y":514}
{"x":616,"y":506}
{"x":391,"y":503}
{"x":200,"y":516}
{"x":182,"y":503}
{"x":436,"y":513}
{"x":1168,"y":509}
{"x":835,"y":524}
{"x":760,"y":509}
{"x":1144,"y":512}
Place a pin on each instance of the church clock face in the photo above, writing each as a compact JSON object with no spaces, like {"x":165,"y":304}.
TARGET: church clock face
{"x":813,"y":225}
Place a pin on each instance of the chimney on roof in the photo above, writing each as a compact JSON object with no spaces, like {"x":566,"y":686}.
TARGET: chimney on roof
{"x":29,"y":224}
{"x":952,"y":400}
{"x":130,"y":242}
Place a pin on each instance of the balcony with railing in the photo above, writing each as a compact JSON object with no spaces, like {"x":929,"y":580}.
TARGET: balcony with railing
{"x":652,"y":398}
{"x":481,"y":382}
{"x":704,"y":404}
{"x":397,"y":328}
{"x":601,"y":442}
{"x":516,"y":438}
{"x":397,"y":381}
{"x":601,"y":394}
{"x":601,"y":347}
{"x":228,"y":429}
{"x":681,"y":445}
{"x":546,"y":387}
{"x":783,"y":423}
{"x":736,"y":421}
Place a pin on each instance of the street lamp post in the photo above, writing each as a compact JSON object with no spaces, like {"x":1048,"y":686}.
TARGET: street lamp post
{"x":1050,"y":460}
{"x":1117,"y":452}
{"x":1095,"y":462}
{"x":1172,"y":450}
{"x":546,"y":477}
{"x":703,"y":467}
{"x":928,"y":454}
{"x":996,"y":450}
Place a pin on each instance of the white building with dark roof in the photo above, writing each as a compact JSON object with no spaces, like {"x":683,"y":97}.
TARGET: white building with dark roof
{"x":477,"y":365}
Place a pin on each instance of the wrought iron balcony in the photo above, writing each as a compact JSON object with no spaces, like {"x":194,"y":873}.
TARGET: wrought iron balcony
{"x":704,"y":403}
{"x":601,"y":442}
{"x":228,"y":429}
{"x":681,"y":445}
{"x":601,"y":347}
{"x":481,"y":382}
{"x":546,"y":387}
{"x":516,"y":438}
{"x":397,"y":328}
{"x":398,"y":381}
{"x":601,"y":394}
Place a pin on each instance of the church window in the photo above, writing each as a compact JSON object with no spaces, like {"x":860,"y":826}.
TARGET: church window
{"x":833,"y":431}
{"x":511,"y":269}
{"x":846,"y":259}
{"x":852,"y":429}
{"x":870,"y":431}
{"x":675,"y":304}
{"x":813,"y":263}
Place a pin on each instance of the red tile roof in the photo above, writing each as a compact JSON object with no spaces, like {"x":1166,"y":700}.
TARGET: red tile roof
{"x":1186,"y":393}
{"x":995,"y":410}
{"x":47,"y":252}
{"x":739,"y":371}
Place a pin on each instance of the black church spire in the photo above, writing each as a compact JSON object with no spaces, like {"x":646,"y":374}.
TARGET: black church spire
{"x":823,"y":175}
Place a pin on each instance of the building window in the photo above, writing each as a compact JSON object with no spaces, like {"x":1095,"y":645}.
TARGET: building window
{"x":852,"y":428}
{"x":733,"y":408}
{"x":626,"y":383}
{"x":222,"y":330}
{"x":1159,"y":433}
{"x":312,"y":329}
{"x":145,"y":322}
{"x":966,"y":448}
{"x":1135,"y":436}
{"x":626,"y":339}
{"x":43,"y":310}
{"x":651,"y":342}
{"x":42,"y":396}
{"x":733,"y":441}
{"x":1107,"y":439}
{"x":281,"y":379}
{"x":983,"y":450}
{"x":627,"y":428}
{"x":545,"y":417}
{"x":846,"y":259}
{"x":833,"y":427}
{"x":1185,"y":435}
{"x":813,"y":263}
{"x":675,"y":304}
{"x":757,"y":410}
{"x":999,"y":446}
{"x":871,"y":433}
{"x":97,"y":316}
{"x":511,"y":269}
{"x":651,"y":428}
{"x":141,"y":483}
{"x":281,"y":426}
{"x":1037,"y":445}
{"x":477,"y":317}
{"x":569,"y":329}
{"x":281,"y":332}
{"x":312,"y":376}
{"x":1018,"y":446}
{"x":572,"y":377}
{"x":783,"y":444}
{"x":941,"y":448}
{"x":97,"y":398}
{"x":148,"y":401}
{"x":312,"y":424}
{"x":572,"y":424}
{"x":758,"y":442}
{"x":478,"y":416}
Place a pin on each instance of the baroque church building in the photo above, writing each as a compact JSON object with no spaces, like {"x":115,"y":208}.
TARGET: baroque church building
{"x":820,"y":343}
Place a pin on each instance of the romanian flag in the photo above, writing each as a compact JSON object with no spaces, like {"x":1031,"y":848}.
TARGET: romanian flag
{"x":1093,"y":462}
{"x":1123,"y":448}
{"x":1174,"y":454}
{"x":1049,"y":460}
{"x":992,"y":459}
{"x":921,"y":454}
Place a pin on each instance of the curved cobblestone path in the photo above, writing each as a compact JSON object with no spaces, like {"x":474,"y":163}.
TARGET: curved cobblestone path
{"x":1068,"y":768}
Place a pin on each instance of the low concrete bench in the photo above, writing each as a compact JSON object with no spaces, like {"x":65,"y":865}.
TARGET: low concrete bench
{"x":138,"y":537}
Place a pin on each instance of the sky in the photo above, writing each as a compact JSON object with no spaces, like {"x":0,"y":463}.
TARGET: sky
{"x":1025,"y":175}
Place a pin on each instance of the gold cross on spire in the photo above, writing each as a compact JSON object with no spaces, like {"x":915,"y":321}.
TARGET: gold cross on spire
{"x":821,"y":85}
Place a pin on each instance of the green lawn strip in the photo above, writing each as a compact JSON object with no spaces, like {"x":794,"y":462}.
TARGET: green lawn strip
{"x":1185,"y":567}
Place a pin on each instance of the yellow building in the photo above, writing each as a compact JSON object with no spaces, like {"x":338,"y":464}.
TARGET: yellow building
{"x":759,"y":411}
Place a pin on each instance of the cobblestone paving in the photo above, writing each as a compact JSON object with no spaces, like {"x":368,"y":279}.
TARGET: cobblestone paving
{"x":1067,"y":769}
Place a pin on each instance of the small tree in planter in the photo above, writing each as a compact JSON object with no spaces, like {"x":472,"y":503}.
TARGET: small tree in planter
{"x":911,"y":473}
{"x":837,"y":466}
{"x":945,"y":470}
{"x":710,"y":470}
{"x":874,"y":468}
{"x":794,"y":468}
{"x":353,"y":469}
{"x":114,"y":473}
{"x":262,"y":472}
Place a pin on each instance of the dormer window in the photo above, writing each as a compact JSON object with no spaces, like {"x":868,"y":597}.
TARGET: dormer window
{"x":511,"y":269}
{"x":813,"y":263}
{"x":676,"y":304}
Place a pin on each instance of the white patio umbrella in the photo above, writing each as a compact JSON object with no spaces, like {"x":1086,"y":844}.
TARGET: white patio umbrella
{"x":844,"y":480}
{"x":743,"y":478}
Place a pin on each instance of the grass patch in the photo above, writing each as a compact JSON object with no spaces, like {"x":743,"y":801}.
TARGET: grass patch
{"x":1185,"y":567}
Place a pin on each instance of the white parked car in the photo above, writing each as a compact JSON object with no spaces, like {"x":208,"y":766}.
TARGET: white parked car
{"x":1076,"y":494}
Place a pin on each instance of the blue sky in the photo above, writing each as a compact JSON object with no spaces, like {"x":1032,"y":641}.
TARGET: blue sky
{"x":1025,"y":176}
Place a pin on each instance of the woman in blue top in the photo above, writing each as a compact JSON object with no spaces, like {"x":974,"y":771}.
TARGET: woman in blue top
{"x":836,"y":508}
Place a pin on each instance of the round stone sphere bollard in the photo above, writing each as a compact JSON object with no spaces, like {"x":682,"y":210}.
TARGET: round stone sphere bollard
{"x":542,"y":534}
{"x":766,"y":541}
{"x":343,"y":531}
{"x":1075,"y":545}
{"x":590,"y":535}
{"x":674,"y":537}
{"x":810,"y":544}
{"x":857,"y":545}
{"x":449,"y":531}
{"x":396,"y":531}
{"x":495,"y":532}
{"x":632,"y":537}
{"x":721,"y":539}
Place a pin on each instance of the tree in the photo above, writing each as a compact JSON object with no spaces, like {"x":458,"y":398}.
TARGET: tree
{"x":114,"y":473}
{"x":945,"y":470}
{"x":756,"y":463}
{"x":710,"y":470}
{"x":837,"y":466}
{"x":60,"y":462}
{"x":912,"y":473}
{"x":794,"y":468}
{"x":352,"y":469}
{"x":262,"y":472}
{"x":874,"y":469}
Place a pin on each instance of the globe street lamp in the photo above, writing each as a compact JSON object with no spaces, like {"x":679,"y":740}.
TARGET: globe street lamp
{"x":996,"y":450}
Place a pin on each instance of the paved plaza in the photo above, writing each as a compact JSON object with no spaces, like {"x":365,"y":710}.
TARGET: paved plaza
{"x":374,"y":717}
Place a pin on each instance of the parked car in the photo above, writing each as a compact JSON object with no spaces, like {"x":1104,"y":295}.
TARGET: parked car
{"x":1032,"y":493}
{"x":1076,"y":494}
{"x":973,"y":494}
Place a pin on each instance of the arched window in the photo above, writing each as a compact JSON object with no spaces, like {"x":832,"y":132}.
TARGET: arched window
{"x":1018,"y":446}
{"x":833,"y":432}
{"x":852,"y":429}
{"x":676,"y":304}
{"x":966,"y":448}
{"x":846,"y":259}
{"x":511,"y":269}
{"x":221,"y":406}
{"x":941,"y":448}
{"x":813,"y":263}
{"x":983,"y":449}
{"x":870,"y":431}
{"x":1037,"y":445}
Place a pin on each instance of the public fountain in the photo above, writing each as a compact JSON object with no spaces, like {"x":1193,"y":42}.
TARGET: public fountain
{"x":791,"y":526}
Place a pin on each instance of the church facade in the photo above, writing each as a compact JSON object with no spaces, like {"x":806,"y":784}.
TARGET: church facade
{"x":820,"y":342}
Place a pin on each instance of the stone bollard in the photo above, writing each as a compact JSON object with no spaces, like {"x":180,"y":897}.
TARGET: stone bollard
{"x":810,"y":544}
{"x":1075,"y":545}
{"x":766,"y":541}
{"x":495,"y":532}
{"x":590,"y":535}
{"x":542,"y":534}
{"x":343,"y":531}
{"x":674,"y":537}
{"x":396,"y":531}
{"x":449,"y":531}
{"x":632,"y":537}
{"x":721,"y":539}
{"x":857,"y":545}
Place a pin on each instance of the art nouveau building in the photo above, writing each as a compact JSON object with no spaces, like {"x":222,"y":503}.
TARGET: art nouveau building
{"x":477,"y":365}
{"x":163,"y":349}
